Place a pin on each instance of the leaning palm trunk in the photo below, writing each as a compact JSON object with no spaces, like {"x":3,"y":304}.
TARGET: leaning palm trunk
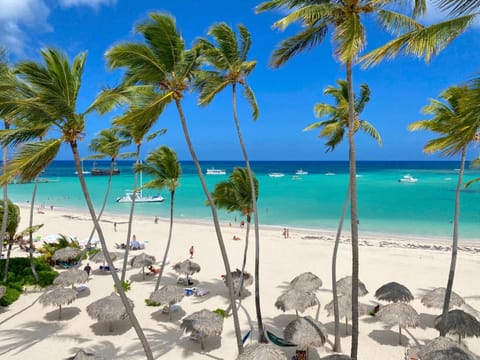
{"x":261,"y":331}
{"x":130,"y":218}
{"x":337,"y":347}
{"x":453,"y":261}
{"x":216,"y":223}
{"x":30,"y":234}
{"x":353,"y":211}
{"x":245,"y":252}
{"x":7,"y":260}
{"x":164,"y":261}
{"x":116,"y":280}
{"x":5,"y":196}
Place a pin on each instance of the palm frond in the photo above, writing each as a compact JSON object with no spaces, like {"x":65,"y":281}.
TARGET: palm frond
{"x":396,"y":23}
{"x":321,"y":109}
{"x":209,"y":84}
{"x":252,"y":101}
{"x":245,"y":42}
{"x":226,"y":41}
{"x":308,"y":15}
{"x":369,"y":129}
{"x":17,"y":136}
{"x":349,"y":35}
{"x":459,"y":7}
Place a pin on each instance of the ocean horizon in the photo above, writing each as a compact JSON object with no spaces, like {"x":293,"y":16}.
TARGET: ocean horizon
{"x":311,"y":201}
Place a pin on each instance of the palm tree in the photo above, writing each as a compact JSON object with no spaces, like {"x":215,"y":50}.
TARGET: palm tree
{"x":459,"y":7}
{"x":12,"y":218}
{"x":456,"y":132}
{"x":344,"y":18}
{"x":165,"y":66}
{"x":56,"y":84}
{"x":165,"y":168}
{"x":235,"y":194}
{"x":228,"y":57}
{"x":333,"y":129}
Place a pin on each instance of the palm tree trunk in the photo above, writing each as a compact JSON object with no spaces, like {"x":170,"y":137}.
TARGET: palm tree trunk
{"x":453,"y":260}
{"x":261,"y":332}
{"x":116,"y":280}
{"x":130,"y":217}
{"x":164,"y":261}
{"x":353,"y":211}
{"x":5,"y":194}
{"x":337,"y":347}
{"x":7,"y":261}
{"x":245,"y":251}
{"x":30,"y":235}
{"x":216,"y":223}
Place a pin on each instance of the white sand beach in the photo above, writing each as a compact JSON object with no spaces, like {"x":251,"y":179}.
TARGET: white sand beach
{"x":29,"y":330}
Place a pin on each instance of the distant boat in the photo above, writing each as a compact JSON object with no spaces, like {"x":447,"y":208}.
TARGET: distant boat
{"x":296,"y":177}
{"x":84,"y":172}
{"x":276,"y":174}
{"x":330,"y":173}
{"x":97,"y":172}
{"x":408,"y":179}
{"x":213,"y":171}
{"x":138,"y":196}
{"x":301,"y":172}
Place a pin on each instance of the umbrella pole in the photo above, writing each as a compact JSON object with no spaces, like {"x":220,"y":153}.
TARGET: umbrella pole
{"x":110,"y":326}
{"x":459,"y":338}
{"x":202,"y":346}
{"x":346,"y":325}
{"x":399,"y":335}
{"x":59,"y":312}
{"x":143,"y":272}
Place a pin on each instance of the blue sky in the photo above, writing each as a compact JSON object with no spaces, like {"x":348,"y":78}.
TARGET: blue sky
{"x":286,"y":96}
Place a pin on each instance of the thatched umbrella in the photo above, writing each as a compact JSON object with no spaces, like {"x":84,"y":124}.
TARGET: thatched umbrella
{"x":108,"y":309}
{"x":3,"y":289}
{"x":459,"y":323}
{"x":297,"y":300}
{"x":186,"y":267}
{"x":99,"y":257}
{"x":71,"y":277}
{"x":307,"y":282}
{"x":336,"y":357}
{"x":440,"y":343}
{"x":66,"y":253}
{"x":168,"y":295}
{"x":400,"y":314}
{"x":344,"y":287}
{"x":450,"y":354}
{"x":142,"y":260}
{"x":262,"y":352}
{"x":237,"y":277}
{"x":202,"y":324}
{"x":393,"y":292}
{"x":345,"y":308}
{"x":58,"y":296}
{"x":435,"y":298}
{"x":83,"y":355}
{"x":306,"y":332}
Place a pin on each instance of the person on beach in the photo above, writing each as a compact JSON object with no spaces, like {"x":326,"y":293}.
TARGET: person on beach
{"x":135,"y":245}
{"x":115,"y":226}
{"x":155,"y":220}
{"x":242,"y":224}
{"x":191,"y":251}
{"x":87,"y":269}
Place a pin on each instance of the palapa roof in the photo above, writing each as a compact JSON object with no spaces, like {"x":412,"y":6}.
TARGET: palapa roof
{"x":307,"y":282}
{"x":142,"y":260}
{"x":294,"y":299}
{"x":66,"y":253}
{"x":344,"y":286}
{"x":439,"y":343}
{"x":393,"y":292}
{"x":70,"y":277}
{"x":186,"y":267}
{"x":167,"y":295}
{"x":99,"y":257}
{"x":58,"y":296}
{"x":236,"y":276}
{"x":262,"y":352}
{"x":435,"y":298}
{"x":306,"y":332}
{"x":203,"y":323}
{"x":450,"y":354}
{"x":345,"y":307}
{"x":108,"y":308}
{"x":336,"y":357}
{"x":400,"y":314}
{"x":460,"y":323}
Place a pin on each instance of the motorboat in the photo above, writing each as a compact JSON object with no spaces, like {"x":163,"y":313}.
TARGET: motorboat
{"x":301,"y":172}
{"x":329,"y":173}
{"x":139,"y":197}
{"x":296,"y":177}
{"x":213,"y":171}
{"x":99,"y":172}
{"x":276,"y":174}
{"x":84,"y":172}
{"x":408,"y":179}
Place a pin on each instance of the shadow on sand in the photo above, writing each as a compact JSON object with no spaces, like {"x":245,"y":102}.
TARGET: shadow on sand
{"x":68,"y":313}
{"x":119,"y":327}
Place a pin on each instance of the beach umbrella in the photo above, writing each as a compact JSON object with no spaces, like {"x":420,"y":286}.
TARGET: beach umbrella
{"x":435,"y":298}
{"x":345,"y":308}
{"x":393,"y":292}
{"x":336,"y":357}
{"x":66,"y":253}
{"x":440,"y":343}
{"x":3,"y":289}
{"x":459,"y":323}
{"x":262,"y":352}
{"x":236,"y":278}
{"x":83,"y":355}
{"x":58,"y":296}
{"x":470,"y":310}
{"x":168,"y":295}
{"x":307,"y":282}
{"x":108,"y":309}
{"x":202,"y":324}
{"x":99,"y":257}
{"x":186,"y":267}
{"x":344,"y":287}
{"x":294,"y":299}
{"x":305,"y":332}
{"x":400,"y":314}
{"x":71,"y":277}
{"x":142,"y":260}
{"x":450,"y":354}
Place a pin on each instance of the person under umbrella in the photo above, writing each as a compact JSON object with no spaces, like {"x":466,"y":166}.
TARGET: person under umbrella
{"x":399,"y":313}
{"x":58,"y":296}
{"x":459,"y":323}
{"x":202,"y":324}
{"x":262,"y":351}
{"x":71,"y":277}
{"x":142,"y":260}
{"x":108,"y":309}
{"x":168,"y":295}
{"x":394,"y":292}
{"x":186,"y":267}
{"x":99,"y":257}
{"x":306,"y":332}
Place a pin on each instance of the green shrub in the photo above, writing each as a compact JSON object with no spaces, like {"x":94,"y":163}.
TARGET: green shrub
{"x":46,"y":277}
{"x":220,"y":312}
{"x":151,"y":303}
{"x":126,"y":285}
{"x":10,"y":296}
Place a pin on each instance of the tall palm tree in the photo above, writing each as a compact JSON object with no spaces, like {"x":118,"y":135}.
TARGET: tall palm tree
{"x":235,"y":194}
{"x":456,"y":132}
{"x":333,"y":129}
{"x":164,"y":65}
{"x":344,"y":19}
{"x":227,"y":55}
{"x":56,"y":84}
{"x":163,"y":165}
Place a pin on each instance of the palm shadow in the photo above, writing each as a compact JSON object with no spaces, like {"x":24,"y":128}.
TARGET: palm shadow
{"x":388,"y":337}
{"x":161,"y":341}
{"x":105,"y":349}
{"x":161,"y":316}
{"x":67,"y":314}
{"x":345,"y":330}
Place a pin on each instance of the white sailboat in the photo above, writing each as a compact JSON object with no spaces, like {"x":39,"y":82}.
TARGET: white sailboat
{"x":83,"y":171}
{"x":138,"y":195}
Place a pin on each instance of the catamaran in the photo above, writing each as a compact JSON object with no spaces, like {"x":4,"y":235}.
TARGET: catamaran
{"x":138,"y":196}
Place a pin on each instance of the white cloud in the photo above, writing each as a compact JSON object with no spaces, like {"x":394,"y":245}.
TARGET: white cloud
{"x":435,"y":15}
{"x":92,"y":3}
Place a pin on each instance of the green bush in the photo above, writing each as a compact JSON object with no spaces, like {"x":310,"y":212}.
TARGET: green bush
{"x":151,"y":303}
{"x":10,"y":296}
{"x":126,"y":285}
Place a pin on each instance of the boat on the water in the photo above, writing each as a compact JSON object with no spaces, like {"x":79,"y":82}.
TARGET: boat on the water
{"x":84,"y":172}
{"x":408,"y":179}
{"x":213,"y":171}
{"x":301,"y":172}
{"x":276,"y":174}
{"x":98,"y":172}
{"x":329,"y":173}
{"x":139,"y":197}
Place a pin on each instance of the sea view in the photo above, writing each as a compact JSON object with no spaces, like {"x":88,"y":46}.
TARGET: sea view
{"x":312,"y":201}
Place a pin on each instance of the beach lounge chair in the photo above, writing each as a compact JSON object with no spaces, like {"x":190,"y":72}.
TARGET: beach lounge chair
{"x":278,"y":340}
{"x":201,"y":292}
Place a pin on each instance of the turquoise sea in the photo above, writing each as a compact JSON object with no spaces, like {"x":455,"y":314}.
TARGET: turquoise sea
{"x":311,"y":201}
